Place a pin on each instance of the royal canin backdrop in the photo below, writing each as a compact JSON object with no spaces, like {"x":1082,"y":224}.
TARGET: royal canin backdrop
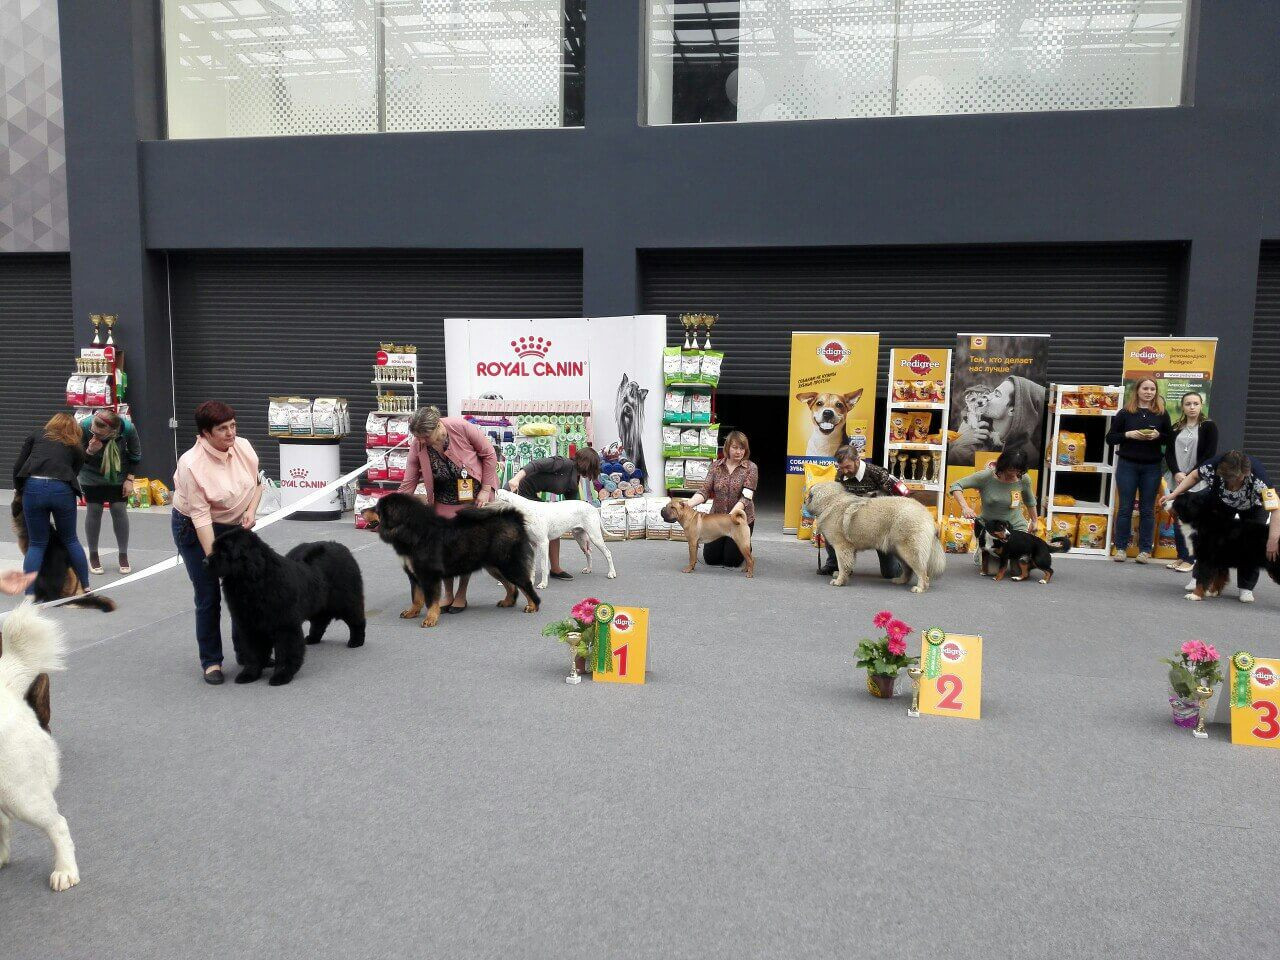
{"x":615,"y":362}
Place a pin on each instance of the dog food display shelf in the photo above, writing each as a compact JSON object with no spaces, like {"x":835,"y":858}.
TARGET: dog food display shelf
{"x":917,"y":419}
{"x":1080,"y":467}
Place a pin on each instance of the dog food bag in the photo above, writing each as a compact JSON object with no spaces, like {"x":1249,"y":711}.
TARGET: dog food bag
{"x":160,"y":494}
{"x":675,"y":474}
{"x":670,"y":365}
{"x":299,"y":411}
{"x":711,"y":363}
{"x":709,"y":440}
{"x":613,"y":519}
{"x":903,"y":391}
{"x":375,"y":431}
{"x":690,"y":366}
{"x":673,"y":407}
{"x":1091,"y":531}
{"x":897,"y":427}
{"x":939,"y":391}
{"x":858,"y":428}
{"x":688,"y":443}
{"x":397,"y":430}
{"x":701,"y":408}
{"x":75,"y":391}
{"x":97,"y":391}
{"x":637,"y":518}
{"x":957,"y":535}
{"x":397,"y":461}
{"x":377,"y":466}
{"x":671,"y":440}
{"x":655,"y":528}
{"x":695,"y":473}
{"x":326,"y":416}
{"x":918,"y":430}
{"x":1065,"y":525}
{"x":1071,"y":401}
{"x":277,"y":416}
{"x":1070,"y":448}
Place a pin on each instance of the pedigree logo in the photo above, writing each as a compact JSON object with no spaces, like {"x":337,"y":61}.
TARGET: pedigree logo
{"x":1148,"y":355}
{"x":533,"y":349}
{"x":952,"y":652}
{"x":834,"y":353}
{"x":1264,"y":677}
{"x":920,"y":364}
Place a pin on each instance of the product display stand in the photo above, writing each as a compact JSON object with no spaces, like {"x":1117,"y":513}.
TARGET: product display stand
{"x":919,"y":385}
{"x":500,"y":421}
{"x":1085,"y":411}
{"x":715,"y":420}
{"x":395,"y":383}
{"x":306,"y":465}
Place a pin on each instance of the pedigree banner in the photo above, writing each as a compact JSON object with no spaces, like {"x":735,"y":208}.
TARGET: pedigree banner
{"x":1178,"y":365}
{"x":998,"y":387}
{"x":832,"y":397}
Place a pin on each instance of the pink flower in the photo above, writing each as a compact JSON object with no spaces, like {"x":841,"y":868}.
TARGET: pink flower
{"x":881,"y":619}
{"x":1210,"y":651}
{"x":897,"y":646}
{"x":1190,"y":648}
{"x":585,"y":610}
{"x":897,"y":630}
{"x":1196,"y":651}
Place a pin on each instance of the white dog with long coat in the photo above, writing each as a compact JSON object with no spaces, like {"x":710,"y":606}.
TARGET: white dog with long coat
{"x":548,"y":521}
{"x":30,"y":645}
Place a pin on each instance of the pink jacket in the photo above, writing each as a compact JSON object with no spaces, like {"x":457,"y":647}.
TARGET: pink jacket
{"x":468,"y":448}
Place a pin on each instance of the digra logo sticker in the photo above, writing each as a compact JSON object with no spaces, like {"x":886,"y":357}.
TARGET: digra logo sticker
{"x":834,"y":353}
{"x":622,"y":623}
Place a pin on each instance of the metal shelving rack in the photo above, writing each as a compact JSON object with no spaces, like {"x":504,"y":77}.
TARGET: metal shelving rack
{"x":1077,"y":417}
{"x":938,"y":451}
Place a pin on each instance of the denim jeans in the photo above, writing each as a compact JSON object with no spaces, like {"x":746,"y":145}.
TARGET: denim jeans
{"x":42,"y":499}
{"x":890,"y":566}
{"x":1142,"y":479}
{"x":208,"y":596}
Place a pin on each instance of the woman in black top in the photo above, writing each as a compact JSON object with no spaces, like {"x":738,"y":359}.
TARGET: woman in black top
{"x":559,"y":475}
{"x":1139,"y":433}
{"x":1194,"y":440}
{"x":46,"y":475}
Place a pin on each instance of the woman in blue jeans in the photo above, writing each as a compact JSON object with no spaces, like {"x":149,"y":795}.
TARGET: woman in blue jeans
{"x":1139,"y":433}
{"x":46,"y":474}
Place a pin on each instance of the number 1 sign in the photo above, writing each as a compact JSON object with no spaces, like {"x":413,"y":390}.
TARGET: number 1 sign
{"x":629,"y":638}
{"x":1254,"y":689}
{"x":951,"y":685}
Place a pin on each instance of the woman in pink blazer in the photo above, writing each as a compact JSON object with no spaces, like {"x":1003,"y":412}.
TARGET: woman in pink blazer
{"x":457,"y":466}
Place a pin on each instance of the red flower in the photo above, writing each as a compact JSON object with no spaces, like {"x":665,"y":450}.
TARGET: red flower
{"x":897,"y":646}
{"x":881,"y":619}
{"x":897,"y":630}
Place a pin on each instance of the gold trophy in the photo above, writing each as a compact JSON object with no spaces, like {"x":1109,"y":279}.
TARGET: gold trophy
{"x":710,"y":321}
{"x":1203,"y":694}
{"x":902,"y":465}
{"x":928,"y":466}
{"x":96,"y":320}
{"x":915,"y":672}
{"x":687,"y":321}
{"x":110,"y":320}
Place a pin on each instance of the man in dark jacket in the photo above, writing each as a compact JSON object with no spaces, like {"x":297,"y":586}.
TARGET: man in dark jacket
{"x":865,"y":479}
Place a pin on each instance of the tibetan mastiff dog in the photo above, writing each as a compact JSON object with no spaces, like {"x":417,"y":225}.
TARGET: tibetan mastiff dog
{"x":270,"y":595}
{"x":433,"y":547}
{"x":1222,"y":542}
{"x":55,"y":578}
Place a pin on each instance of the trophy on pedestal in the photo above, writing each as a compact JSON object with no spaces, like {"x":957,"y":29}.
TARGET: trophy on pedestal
{"x":915,"y":672}
{"x":96,"y":320}
{"x":1203,"y":694}
{"x":709,"y":319}
{"x":688,"y":321}
{"x":110,"y":320}
{"x":573,"y":640}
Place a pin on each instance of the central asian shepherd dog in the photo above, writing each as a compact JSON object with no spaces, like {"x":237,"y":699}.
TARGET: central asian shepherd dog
{"x":55,"y":579}
{"x":270,"y":596}
{"x":1025,"y":550}
{"x":1221,"y":542}
{"x":700,"y":527}
{"x":31,"y":646}
{"x":432,"y":547}
{"x":898,"y":525}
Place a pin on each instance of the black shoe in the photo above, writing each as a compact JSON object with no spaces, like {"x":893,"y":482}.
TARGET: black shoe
{"x":561,"y":575}
{"x":825,"y":571}
{"x":214,"y":677}
{"x":453,"y":609}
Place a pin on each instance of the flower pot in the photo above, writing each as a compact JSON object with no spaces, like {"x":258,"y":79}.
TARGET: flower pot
{"x":1186,"y":712}
{"x":880,"y":686}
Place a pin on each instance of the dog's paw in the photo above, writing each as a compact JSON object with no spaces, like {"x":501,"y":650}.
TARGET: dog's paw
{"x":531,"y":607}
{"x":1191,"y":596}
{"x":279,"y":680}
{"x":839,"y":581}
{"x":507,"y":602}
{"x":917,"y":589}
{"x":410,"y":613}
{"x":61,"y":880}
{"x":540,"y":586}
{"x":1017,"y":579}
{"x":613,"y":575}
{"x":1044,"y":581}
{"x":248,"y":676}
{"x":431,"y":619}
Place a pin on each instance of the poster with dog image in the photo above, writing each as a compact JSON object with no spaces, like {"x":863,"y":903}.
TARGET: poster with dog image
{"x":832,"y":397}
{"x":999,"y":384}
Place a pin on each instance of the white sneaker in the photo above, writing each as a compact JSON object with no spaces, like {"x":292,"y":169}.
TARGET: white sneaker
{"x":1246,"y":596}
{"x":1191,"y":584}
{"x":1142,"y":557}
{"x":1119,"y":556}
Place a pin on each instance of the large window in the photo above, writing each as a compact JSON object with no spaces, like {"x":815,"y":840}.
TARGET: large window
{"x":760,"y":60}
{"x":250,"y":68}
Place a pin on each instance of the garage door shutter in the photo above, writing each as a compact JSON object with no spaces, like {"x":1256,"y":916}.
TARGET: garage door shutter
{"x":1088,"y":297}
{"x":37,"y":356}
{"x":1262,"y":427}
{"x":249,"y":325}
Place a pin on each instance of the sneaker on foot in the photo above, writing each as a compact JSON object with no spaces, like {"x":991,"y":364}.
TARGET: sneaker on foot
{"x":1142,"y":557}
{"x":1119,"y":556}
{"x":95,"y":565}
{"x":1246,"y":596}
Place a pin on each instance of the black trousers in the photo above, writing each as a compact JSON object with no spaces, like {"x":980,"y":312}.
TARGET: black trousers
{"x":890,"y":566}
{"x":723,"y":552}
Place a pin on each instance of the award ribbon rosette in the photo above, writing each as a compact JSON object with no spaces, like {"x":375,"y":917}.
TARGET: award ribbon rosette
{"x":933,"y":658}
{"x":604,"y":645}
{"x":1243,"y":662}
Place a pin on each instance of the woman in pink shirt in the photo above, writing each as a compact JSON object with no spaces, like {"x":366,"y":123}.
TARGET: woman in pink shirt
{"x":457,"y":466}
{"x":215,"y":489}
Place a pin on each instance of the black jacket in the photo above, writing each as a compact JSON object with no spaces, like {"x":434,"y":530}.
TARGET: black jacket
{"x":1140,"y":451}
{"x":42,"y":457}
{"x":1206,"y":446}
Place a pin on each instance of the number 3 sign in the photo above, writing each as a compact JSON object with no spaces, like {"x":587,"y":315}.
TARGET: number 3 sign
{"x":1254,"y":689}
{"x":952,"y":682}
{"x":629,"y":637}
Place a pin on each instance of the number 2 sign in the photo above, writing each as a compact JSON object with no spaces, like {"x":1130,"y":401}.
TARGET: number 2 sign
{"x":952,"y":682}
{"x":629,"y":637}
{"x":1254,"y":689}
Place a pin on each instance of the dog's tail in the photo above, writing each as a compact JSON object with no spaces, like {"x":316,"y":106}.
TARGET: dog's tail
{"x":937,"y":559}
{"x":30,"y":644}
{"x":95,"y":601}
{"x":1059,"y":544}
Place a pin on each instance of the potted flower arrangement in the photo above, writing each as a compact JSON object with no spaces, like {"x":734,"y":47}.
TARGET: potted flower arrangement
{"x":1196,"y":666}
{"x":579,"y":632}
{"x":885,"y":657}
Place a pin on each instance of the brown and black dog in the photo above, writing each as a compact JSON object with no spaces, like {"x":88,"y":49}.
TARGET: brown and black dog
{"x":56,"y":578}
{"x":37,"y":694}
{"x":700,"y":527}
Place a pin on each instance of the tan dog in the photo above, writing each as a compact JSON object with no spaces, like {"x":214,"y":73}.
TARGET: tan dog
{"x":699,"y":527}
{"x":829,"y":412}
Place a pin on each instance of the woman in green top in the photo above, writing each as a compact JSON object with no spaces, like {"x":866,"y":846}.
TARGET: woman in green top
{"x":112,"y":451}
{"x":1005,"y":490}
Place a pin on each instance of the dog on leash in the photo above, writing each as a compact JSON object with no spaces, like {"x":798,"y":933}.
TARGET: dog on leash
{"x":629,"y":417}
{"x":898,"y":525}
{"x":31,"y":646}
{"x":549,"y":521}
{"x":1222,"y":542}
{"x":270,"y":595}
{"x":828,"y":412}
{"x":56,"y":578}
{"x":700,"y":527}
{"x":1026,"y":550}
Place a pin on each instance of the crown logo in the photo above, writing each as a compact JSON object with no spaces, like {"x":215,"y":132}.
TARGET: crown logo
{"x":531,"y":347}
{"x":298,"y":473}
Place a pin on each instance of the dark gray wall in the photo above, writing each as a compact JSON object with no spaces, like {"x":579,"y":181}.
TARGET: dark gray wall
{"x":1204,"y":173}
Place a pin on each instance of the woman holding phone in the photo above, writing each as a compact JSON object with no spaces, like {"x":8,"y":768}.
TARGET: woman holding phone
{"x":1139,"y":433}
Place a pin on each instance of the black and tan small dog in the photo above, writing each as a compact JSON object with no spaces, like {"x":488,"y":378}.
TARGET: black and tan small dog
{"x":1024,"y":550}
{"x":56,"y":578}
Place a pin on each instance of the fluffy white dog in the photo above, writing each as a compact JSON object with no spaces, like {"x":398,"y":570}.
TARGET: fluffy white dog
{"x":546,"y":521}
{"x":30,"y":645}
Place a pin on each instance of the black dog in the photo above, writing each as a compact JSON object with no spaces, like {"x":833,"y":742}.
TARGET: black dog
{"x":1222,"y":542}
{"x":1025,"y":550}
{"x":269,"y":596}
{"x":55,"y":579}
{"x":433,"y":547}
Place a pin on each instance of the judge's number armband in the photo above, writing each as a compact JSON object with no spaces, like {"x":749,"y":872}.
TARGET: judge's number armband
{"x":1269,"y":499}
{"x":751,"y":495}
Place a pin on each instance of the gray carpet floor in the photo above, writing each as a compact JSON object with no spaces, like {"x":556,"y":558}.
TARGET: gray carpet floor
{"x":443,"y":793}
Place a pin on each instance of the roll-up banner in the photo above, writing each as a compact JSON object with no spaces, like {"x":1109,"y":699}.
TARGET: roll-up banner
{"x":832,"y":397}
{"x":999,"y":384}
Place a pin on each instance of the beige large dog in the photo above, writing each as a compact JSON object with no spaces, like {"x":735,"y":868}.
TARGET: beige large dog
{"x":699,"y":527}
{"x":898,"y":525}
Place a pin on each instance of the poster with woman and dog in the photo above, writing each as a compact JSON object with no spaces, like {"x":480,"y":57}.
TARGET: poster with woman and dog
{"x":832,"y":398}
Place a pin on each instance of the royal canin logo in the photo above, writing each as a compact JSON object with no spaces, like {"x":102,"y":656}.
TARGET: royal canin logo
{"x":297,"y":480}
{"x":622,"y":623}
{"x":920,"y":364}
{"x":834,"y":352}
{"x":298,"y":473}
{"x":531,"y":347}
{"x":1264,"y":677}
{"x":1147,"y":355}
{"x":535,"y":349}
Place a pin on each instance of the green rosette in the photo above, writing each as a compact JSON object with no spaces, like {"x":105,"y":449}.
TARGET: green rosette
{"x":1243,"y":662}
{"x":933,"y":656}
{"x":604,"y":646}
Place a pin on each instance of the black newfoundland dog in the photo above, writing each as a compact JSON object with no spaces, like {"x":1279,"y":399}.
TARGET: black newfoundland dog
{"x":1222,"y":542}
{"x":433,"y":547}
{"x":269,"y":596}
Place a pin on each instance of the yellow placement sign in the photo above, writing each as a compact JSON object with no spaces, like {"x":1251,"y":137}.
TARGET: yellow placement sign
{"x":628,"y":630}
{"x":1254,"y":688}
{"x":952,"y":682}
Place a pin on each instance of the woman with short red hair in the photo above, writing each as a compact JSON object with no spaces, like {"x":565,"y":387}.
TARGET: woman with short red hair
{"x":215,"y":489}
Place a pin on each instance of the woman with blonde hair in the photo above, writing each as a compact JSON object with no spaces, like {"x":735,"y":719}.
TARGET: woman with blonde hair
{"x":1139,"y":433}
{"x":47,"y":477}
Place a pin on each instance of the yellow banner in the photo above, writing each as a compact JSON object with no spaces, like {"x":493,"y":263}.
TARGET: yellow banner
{"x":629,"y":637}
{"x":952,"y":681}
{"x":832,"y":398}
{"x":1178,"y":366}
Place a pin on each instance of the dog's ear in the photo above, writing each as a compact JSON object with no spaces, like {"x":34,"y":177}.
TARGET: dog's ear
{"x":851,"y":399}
{"x":644,"y":393}
{"x":807,"y":398}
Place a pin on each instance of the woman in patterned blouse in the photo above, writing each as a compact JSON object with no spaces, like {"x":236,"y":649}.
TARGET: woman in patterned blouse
{"x":731,"y":488}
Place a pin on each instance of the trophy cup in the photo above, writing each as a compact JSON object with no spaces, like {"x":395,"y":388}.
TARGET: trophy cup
{"x":927,"y":458}
{"x":1203,"y":694}
{"x":96,"y":320}
{"x":110,"y":320}
{"x":915,"y":672}
{"x":902,"y":466}
{"x":574,"y":639}
{"x":710,"y":320}
{"x":687,"y":321}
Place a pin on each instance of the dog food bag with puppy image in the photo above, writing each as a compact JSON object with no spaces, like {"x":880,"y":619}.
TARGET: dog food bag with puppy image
{"x":689,"y":444}
{"x":957,"y":535}
{"x":670,"y":365}
{"x":711,"y":363}
{"x":675,"y":474}
{"x":397,"y":462}
{"x":673,"y":407}
{"x":690,"y":366}
{"x":326,"y":416}
{"x":671,"y":440}
{"x":397,"y":430}
{"x":898,"y":428}
{"x":97,"y":391}
{"x":1065,"y":525}
{"x":701,"y":408}
{"x":1091,"y":532}
{"x":1070,"y":448}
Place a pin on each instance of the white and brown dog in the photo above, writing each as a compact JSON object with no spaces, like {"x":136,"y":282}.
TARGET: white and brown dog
{"x":550,"y":521}
{"x":829,"y":411}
